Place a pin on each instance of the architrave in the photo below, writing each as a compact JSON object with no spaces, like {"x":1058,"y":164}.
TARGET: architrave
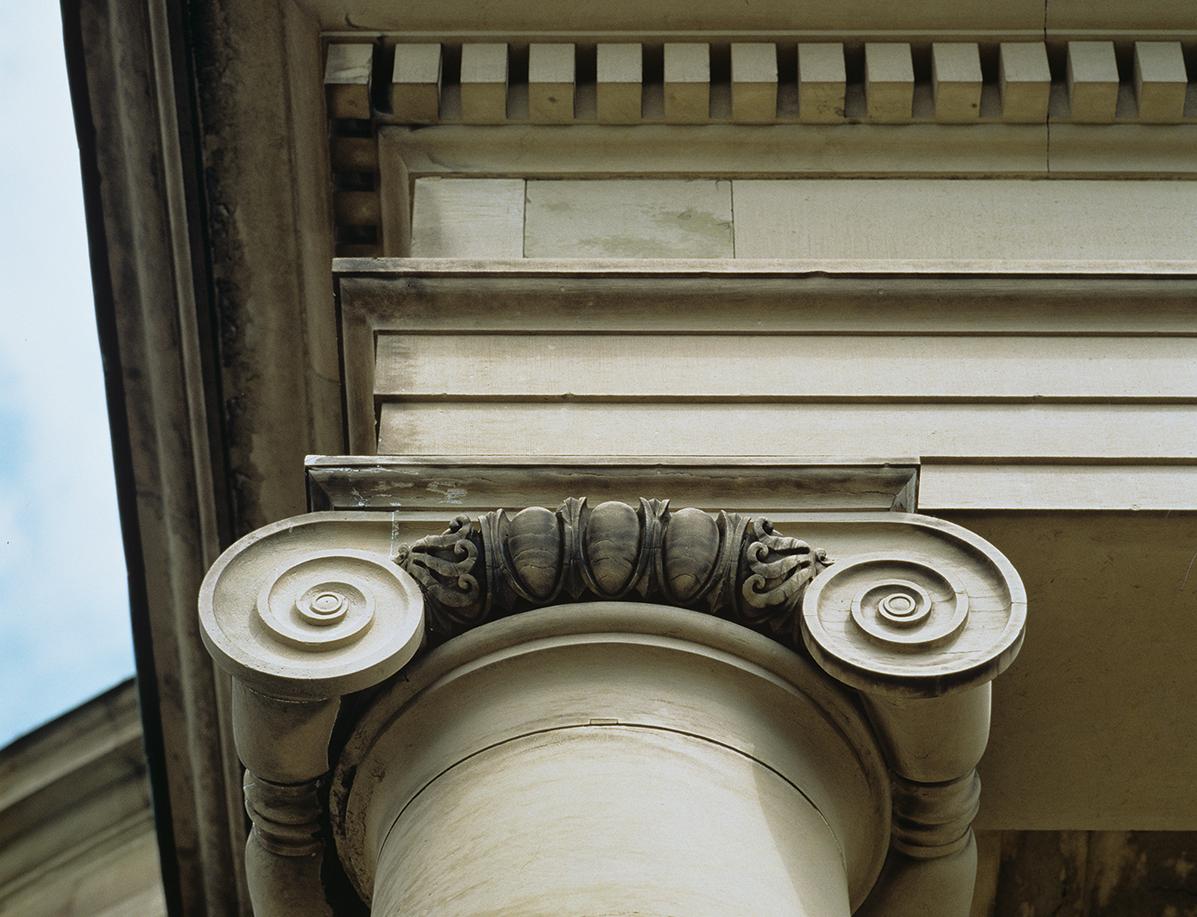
{"x":379,"y":296}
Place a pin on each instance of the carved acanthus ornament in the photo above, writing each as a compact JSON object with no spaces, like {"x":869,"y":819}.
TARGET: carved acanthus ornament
{"x":727,"y":564}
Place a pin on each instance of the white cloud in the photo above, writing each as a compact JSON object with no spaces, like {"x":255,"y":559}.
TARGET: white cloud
{"x":64,"y":621}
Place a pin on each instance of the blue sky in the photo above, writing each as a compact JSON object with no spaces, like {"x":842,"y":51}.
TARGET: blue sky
{"x":64,"y":617}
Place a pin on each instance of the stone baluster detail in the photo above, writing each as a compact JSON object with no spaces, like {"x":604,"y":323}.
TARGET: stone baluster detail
{"x":286,"y":816}
{"x":922,"y":643}
{"x":325,"y":623}
{"x":285,"y":850}
{"x":934,"y":819}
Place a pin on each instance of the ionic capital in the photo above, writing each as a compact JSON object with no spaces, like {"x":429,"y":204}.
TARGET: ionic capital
{"x":921,"y":636}
{"x":298,"y":620}
{"x":915,"y":615}
{"x":295,"y":614}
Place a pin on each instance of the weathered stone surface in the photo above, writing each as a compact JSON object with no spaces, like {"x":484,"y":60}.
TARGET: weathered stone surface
{"x":77,"y":832}
{"x":1088,"y":874}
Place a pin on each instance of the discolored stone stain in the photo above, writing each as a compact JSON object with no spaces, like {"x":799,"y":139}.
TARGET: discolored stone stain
{"x":276,"y":401}
{"x":1181,"y":865}
{"x":450,"y":492}
{"x":689,"y":232}
{"x":617,"y":247}
{"x":702,"y":224}
{"x":630,"y":219}
{"x":1094,"y":874}
{"x":1041,"y":873}
{"x":1143,"y":872}
{"x":1116,"y":866}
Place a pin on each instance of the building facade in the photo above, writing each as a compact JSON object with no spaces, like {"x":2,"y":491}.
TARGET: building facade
{"x":657,"y":459}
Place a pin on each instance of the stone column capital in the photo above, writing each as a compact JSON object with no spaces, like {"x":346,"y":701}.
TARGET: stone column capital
{"x":917,"y":622}
{"x":299,"y":619}
{"x":914,"y":615}
{"x":293,"y":614}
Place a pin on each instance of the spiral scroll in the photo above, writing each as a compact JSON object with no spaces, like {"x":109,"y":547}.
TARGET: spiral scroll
{"x":727,"y":564}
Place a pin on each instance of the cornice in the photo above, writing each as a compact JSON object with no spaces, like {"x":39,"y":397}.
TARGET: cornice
{"x":1118,"y":103}
{"x":72,"y":788}
{"x":631,"y":17}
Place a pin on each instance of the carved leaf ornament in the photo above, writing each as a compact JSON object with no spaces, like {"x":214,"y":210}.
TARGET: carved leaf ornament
{"x":727,"y":564}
